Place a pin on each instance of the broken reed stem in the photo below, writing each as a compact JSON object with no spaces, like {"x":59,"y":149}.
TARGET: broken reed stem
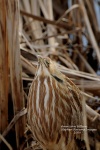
{"x":91,"y":34}
{"x":6,"y":143}
{"x":59,"y":25}
{"x":68,"y":11}
{"x":13,"y":121}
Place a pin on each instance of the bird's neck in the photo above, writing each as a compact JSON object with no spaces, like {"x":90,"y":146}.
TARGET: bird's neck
{"x":43,"y":72}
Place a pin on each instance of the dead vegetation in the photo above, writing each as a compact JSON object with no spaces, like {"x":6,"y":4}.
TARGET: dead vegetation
{"x":66,"y":31}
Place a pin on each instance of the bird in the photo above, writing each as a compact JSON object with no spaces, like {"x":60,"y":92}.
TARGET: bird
{"x":54,"y":108}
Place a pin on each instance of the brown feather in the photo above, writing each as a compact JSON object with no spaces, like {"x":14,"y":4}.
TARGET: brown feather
{"x":54,"y":101}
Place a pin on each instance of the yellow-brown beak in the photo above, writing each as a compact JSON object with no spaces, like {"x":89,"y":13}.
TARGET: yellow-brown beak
{"x":40,"y":59}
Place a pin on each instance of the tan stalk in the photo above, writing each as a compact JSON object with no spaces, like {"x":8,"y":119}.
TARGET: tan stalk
{"x":48,"y":13}
{"x":91,"y":34}
{"x":37,"y":25}
{"x":12,"y":22}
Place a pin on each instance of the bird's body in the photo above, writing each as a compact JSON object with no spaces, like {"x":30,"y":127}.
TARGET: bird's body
{"x":54,"y":102}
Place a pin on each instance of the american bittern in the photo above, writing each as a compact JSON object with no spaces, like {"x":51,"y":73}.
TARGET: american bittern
{"x":54,"y":101}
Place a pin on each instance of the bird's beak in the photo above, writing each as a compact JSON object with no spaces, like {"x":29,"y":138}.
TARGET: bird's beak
{"x":40,"y":59}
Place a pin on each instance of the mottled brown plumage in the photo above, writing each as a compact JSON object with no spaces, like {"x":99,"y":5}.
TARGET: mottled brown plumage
{"x":54,"y":101}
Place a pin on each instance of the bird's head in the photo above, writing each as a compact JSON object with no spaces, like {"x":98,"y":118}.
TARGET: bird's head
{"x":47,"y":67}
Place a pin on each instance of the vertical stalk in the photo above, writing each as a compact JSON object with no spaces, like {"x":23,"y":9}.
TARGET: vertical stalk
{"x":3,"y":69}
{"x":12,"y":29}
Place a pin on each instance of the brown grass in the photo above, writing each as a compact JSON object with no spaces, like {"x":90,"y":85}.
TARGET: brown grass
{"x":56,"y":29}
